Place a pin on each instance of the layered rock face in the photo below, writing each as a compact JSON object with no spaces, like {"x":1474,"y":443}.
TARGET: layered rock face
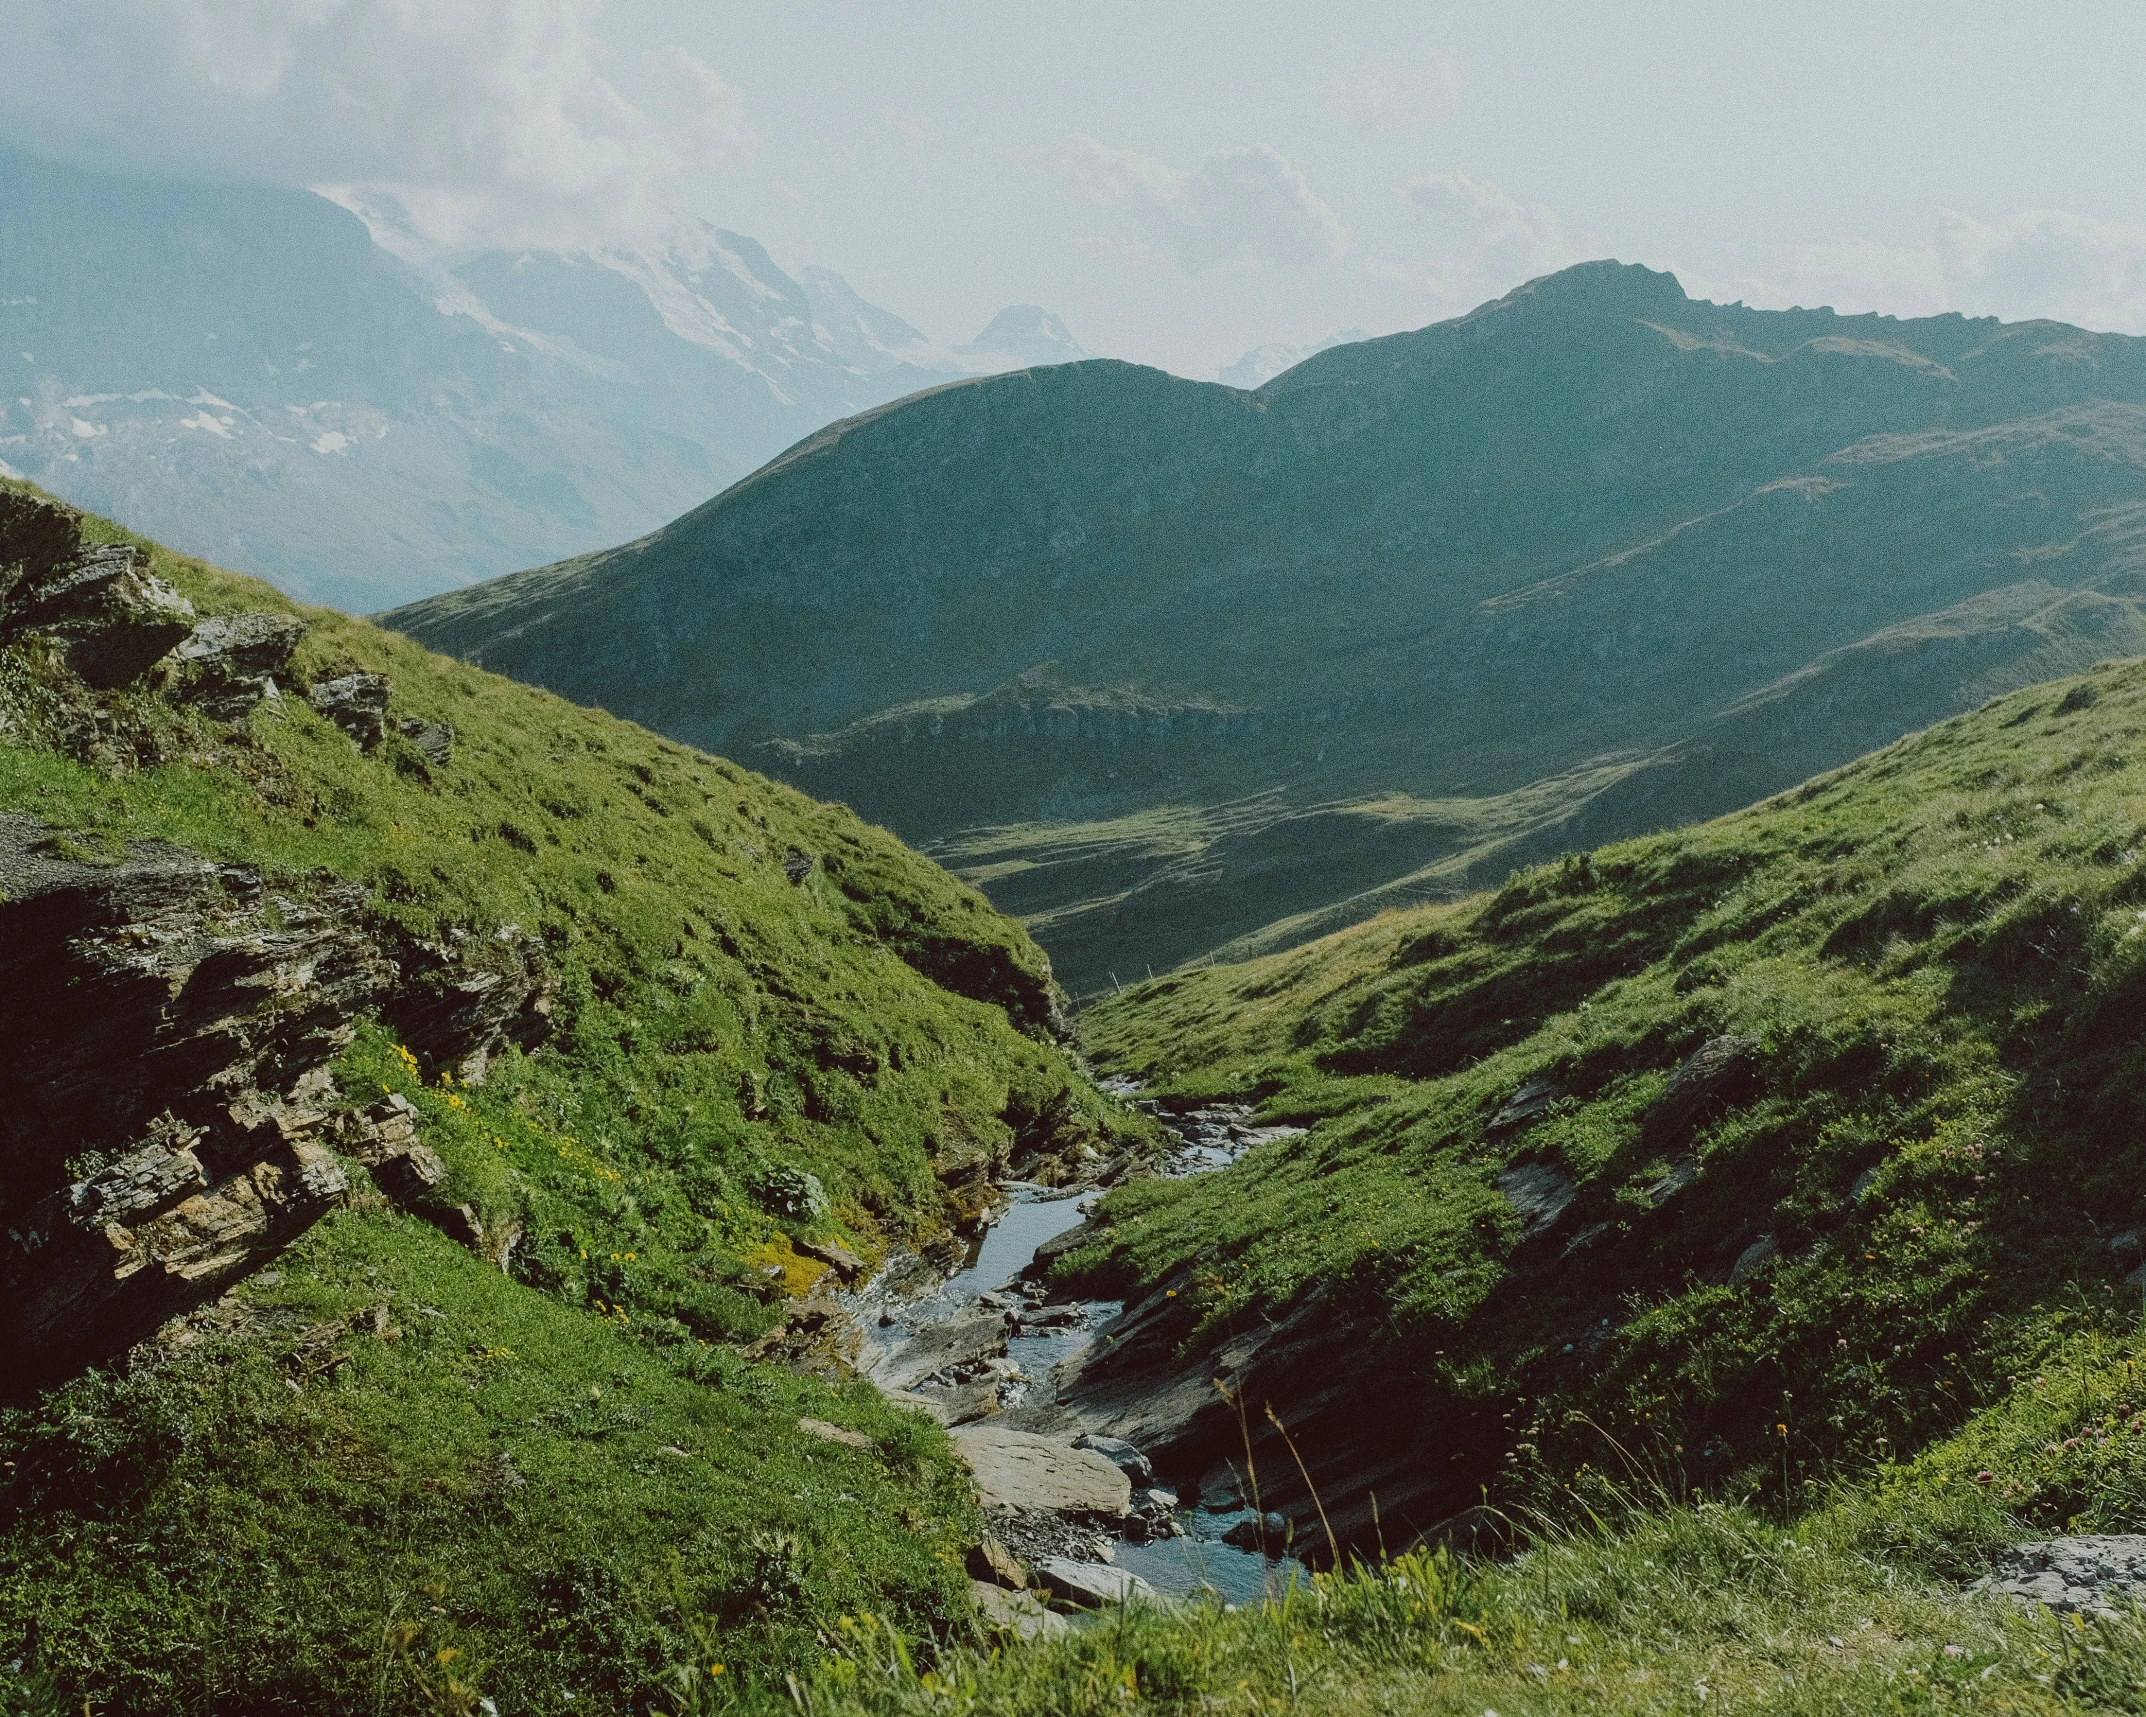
{"x":168,"y":1116}
{"x":162,"y":1129}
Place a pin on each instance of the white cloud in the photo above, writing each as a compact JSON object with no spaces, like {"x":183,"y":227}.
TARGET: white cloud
{"x":1243,"y":206}
{"x":1396,"y":95}
{"x":2047,"y":262}
{"x":2031,"y":263}
{"x":1485,"y":240}
{"x":488,"y":121}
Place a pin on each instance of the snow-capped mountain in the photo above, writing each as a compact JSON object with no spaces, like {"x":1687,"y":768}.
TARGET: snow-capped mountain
{"x":1018,"y":337}
{"x":1262,"y":364}
{"x":295,"y":387}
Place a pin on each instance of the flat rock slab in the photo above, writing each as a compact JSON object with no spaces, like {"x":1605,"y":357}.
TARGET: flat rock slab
{"x":1019,"y":1470}
{"x":937,"y":1347}
{"x":1023,"y":1612}
{"x":952,"y":1403}
{"x":2091,"y":1575}
{"x":1092,"y":1583}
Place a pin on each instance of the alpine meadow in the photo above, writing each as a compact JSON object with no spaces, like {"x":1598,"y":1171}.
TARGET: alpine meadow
{"x":1389,"y":963}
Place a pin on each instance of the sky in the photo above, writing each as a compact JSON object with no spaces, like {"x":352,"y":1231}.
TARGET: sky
{"x":1180,"y":182}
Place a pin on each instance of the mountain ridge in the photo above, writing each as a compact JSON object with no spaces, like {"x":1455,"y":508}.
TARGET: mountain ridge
{"x":1455,"y":564}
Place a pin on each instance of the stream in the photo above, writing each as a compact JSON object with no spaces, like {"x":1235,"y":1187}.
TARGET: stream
{"x":1177,"y":1550}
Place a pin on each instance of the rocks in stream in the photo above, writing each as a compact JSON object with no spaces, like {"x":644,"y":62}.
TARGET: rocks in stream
{"x":1267,"y":1533}
{"x":1020,"y":1471}
{"x":1120,"y":1454}
{"x":954,"y":1403}
{"x":1093,"y":1585}
{"x":942,"y":1348}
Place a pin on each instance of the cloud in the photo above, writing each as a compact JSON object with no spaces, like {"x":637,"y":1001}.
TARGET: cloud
{"x":1396,"y":95}
{"x":487,"y":121}
{"x":1243,"y":206}
{"x":2046,"y":262}
{"x":2031,"y":263}
{"x":1486,"y":239}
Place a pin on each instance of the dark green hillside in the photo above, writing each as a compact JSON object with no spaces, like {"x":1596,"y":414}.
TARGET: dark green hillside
{"x":1820,"y":1116}
{"x":502,"y":1411}
{"x":1167,"y":667}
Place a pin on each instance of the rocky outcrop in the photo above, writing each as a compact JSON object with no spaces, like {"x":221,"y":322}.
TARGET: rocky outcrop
{"x":2092,"y":1575}
{"x":435,"y":740}
{"x":170,"y":1022}
{"x":167,"y":1118}
{"x":231,"y":662}
{"x":465,"y":998}
{"x":356,"y":703}
{"x":110,"y":616}
{"x":1721,"y":1072}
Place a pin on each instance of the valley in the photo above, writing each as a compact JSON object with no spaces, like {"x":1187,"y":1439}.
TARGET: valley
{"x":578,"y":1214}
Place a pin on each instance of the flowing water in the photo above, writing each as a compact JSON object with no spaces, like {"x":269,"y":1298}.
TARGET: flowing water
{"x":1196,"y":1559}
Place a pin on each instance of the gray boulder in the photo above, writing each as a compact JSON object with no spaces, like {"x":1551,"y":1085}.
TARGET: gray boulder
{"x":1092,"y":1584}
{"x":1122,"y":1455}
{"x":1264,"y":1532}
{"x":1018,"y":1470}
{"x":356,"y":703}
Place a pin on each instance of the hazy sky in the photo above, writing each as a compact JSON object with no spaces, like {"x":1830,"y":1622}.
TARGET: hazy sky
{"x":1178,"y":181}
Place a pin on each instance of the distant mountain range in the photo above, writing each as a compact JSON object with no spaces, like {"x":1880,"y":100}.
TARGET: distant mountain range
{"x":298,"y":390}
{"x":1172,"y":668}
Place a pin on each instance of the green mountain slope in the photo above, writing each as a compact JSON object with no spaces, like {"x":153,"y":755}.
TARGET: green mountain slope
{"x":1161,"y":664}
{"x":488,"y":1400}
{"x":1758,"y":1152}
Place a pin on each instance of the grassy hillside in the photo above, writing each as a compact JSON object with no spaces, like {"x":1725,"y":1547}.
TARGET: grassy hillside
{"x":774,"y":1025}
{"x":1594,"y":559}
{"x":1914,"y":1176}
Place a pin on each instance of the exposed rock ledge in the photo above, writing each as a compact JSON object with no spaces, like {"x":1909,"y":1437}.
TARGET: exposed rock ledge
{"x":168,"y":1122}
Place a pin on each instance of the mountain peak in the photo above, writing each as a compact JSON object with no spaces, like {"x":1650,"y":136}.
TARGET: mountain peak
{"x":1028,"y":334}
{"x":1605,"y":285}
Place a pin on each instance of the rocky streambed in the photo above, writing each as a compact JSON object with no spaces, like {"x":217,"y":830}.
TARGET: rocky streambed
{"x":1085,"y":1515}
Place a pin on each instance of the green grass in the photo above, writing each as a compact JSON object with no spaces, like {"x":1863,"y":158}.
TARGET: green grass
{"x":251,"y":1524}
{"x":246,"y":1527}
{"x":1940,"y":951}
{"x":1640,"y":1597}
